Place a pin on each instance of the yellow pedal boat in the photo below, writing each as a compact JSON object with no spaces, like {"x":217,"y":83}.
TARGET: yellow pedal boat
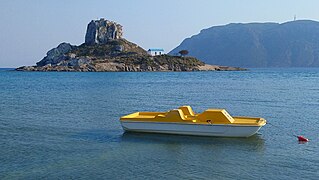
{"x":212,"y":122}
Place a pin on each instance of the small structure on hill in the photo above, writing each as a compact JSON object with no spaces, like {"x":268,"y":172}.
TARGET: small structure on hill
{"x":155,"y":52}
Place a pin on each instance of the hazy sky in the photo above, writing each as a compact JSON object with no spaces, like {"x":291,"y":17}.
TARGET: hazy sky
{"x":29,"y":28}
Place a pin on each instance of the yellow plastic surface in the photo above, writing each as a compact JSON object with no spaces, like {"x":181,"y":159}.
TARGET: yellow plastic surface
{"x":185,"y":114}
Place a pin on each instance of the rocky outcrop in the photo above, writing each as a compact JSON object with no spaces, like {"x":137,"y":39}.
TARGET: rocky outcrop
{"x":56,"y":55}
{"x":208,"y":67}
{"x":101,"y":31}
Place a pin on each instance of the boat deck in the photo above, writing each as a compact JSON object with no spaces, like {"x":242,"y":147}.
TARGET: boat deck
{"x":185,"y":114}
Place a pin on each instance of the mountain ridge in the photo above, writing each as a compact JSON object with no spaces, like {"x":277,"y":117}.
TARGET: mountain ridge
{"x":289,"y":44}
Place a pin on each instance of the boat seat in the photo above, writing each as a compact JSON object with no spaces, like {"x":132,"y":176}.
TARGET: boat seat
{"x":178,"y":115}
{"x":187,"y":110}
{"x":216,"y":116}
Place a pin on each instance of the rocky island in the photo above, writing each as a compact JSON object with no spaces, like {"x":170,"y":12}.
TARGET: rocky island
{"x":105,"y":49}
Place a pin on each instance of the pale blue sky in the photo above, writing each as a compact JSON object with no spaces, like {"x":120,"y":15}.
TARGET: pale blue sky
{"x":29,"y":28}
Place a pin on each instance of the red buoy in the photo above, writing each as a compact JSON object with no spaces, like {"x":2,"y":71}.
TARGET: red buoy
{"x":303,"y":139}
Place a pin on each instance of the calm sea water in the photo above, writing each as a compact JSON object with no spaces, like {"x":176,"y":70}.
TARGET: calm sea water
{"x":65,"y":125}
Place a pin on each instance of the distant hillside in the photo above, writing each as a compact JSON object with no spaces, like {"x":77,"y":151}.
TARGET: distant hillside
{"x":291,"y":44}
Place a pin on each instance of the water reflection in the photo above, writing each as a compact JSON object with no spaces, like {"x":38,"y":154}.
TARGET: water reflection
{"x":255,"y":142}
{"x":100,"y":136}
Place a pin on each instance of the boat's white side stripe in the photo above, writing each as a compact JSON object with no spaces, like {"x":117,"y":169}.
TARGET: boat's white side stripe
{"x":174,"y":132}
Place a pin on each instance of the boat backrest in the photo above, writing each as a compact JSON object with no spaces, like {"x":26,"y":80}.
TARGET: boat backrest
{"x":187,"y":110}
{"x":175,"y":115}
{"x":218,"y":116}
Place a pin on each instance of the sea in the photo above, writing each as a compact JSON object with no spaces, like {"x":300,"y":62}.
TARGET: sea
{"x":65,"y":125}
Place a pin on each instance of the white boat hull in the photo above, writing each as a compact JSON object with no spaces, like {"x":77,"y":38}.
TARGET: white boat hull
{"x":191,"y":129}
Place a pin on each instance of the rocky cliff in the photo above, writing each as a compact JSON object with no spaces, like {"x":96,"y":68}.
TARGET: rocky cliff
{"x":101,"y":31}
{"x":291,"y":44}
{"x":105,"y":50}
{"x":56,"y":55}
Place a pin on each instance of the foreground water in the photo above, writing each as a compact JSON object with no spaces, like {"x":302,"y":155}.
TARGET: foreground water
{"x":65,"y":125}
